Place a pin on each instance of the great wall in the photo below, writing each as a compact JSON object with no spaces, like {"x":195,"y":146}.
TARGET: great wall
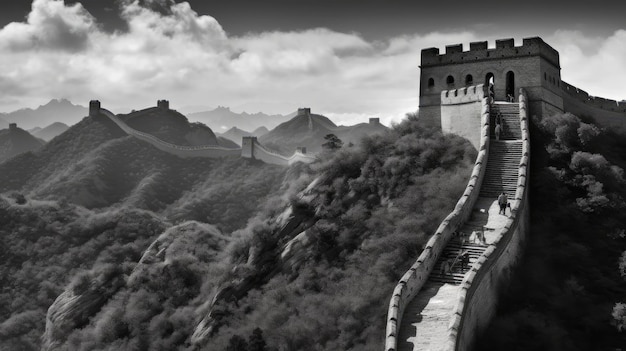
{"x":443,"y":302}
{"x":251,"y":148}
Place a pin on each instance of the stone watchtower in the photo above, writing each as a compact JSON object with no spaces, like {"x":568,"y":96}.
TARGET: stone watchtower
{"x":533,"y":66}
{"x":163,"y":104}
{"x":94,"y":108}
{"x":247,"y":146}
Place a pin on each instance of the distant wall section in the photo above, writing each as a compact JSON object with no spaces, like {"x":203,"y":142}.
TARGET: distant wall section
{"x":251,"y":148}
{"x":605,"y":112}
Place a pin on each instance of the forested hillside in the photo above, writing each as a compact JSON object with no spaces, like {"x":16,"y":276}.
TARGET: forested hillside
{"x":570,"y":288}
{"x":298,"y":258}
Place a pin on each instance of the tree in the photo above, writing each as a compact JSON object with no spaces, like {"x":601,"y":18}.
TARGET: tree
{"x":237,"y":343}
{"x":256,"y":341}
{"x":332,"y":142}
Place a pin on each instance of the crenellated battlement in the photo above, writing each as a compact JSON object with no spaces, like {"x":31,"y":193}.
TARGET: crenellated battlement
{"x":479,"y":51}
{"x":463,"y":95}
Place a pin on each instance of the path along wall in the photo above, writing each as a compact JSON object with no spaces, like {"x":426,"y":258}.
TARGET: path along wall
{"x":209,"y":151}
{"x":413,"y":280}
{"x":458,"y":112}
{"x":479,"y":290}
{"x":261,"y":153}
{"x":605,"y":112}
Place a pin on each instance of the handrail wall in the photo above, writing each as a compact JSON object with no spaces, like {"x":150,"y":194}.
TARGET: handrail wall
{"x":413,"y":280}
{"x":460,"y":337}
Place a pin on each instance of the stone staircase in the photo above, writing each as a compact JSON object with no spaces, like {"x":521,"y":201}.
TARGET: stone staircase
{"x":453,"y":251}
{"x":502,"y":169}
{"x":510,"y":120}
{"x":426,"y":317}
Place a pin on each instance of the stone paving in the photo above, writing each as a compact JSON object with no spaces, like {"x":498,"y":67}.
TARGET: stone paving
{"x":425,"y":321}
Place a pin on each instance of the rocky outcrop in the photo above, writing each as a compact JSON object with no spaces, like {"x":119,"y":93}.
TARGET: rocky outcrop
{"x":77,"y":304}
{"x":284,"y":250}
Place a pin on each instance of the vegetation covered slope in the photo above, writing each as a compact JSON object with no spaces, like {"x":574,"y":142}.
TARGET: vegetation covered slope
{"x":170,"y":126}
{"x":307,"y":130}
{"x":572,"y":277}
{"x":95,"y":165}
{"x":313,"y":268}
{"x":17,"y":141}
{"x":364,"y":218}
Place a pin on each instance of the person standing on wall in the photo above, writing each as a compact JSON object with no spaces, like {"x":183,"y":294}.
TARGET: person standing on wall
{"x":498,"y":130}
{"x":503,"y":202}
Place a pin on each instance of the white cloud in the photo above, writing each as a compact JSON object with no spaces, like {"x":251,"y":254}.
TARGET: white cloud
{"x":50,"y":25}
{"x":593,"y":64}
{"x":60,"y":51}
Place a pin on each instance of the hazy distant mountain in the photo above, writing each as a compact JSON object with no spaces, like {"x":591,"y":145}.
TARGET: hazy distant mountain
{"x":260,"y":131}
{"x":49,"y":132}
{"x":16,"y":141}
{"x":3,"y":124}
{"x":309,"y":131}
{"x":54,"y":111}
{"x":235,"y":134}
{"x":222,"y":119}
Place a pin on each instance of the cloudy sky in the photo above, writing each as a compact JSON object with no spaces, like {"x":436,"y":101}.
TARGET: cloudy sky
{"x":347,"y":59}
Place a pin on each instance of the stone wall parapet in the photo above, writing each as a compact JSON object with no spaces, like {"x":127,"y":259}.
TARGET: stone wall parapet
{"x":463,"y":95}
{"x":593,"y":101}
{"x":488,"y":259}
{"x":412,"y":281}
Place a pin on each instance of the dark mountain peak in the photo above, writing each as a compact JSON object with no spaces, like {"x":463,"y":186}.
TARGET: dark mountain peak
{"x":15,"y":141}
{"x":171,"y":126}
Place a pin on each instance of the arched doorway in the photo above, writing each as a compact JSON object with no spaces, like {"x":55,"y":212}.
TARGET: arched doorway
{"x":489,"y":79}
{"x":469,"y":80}
{"x":489,"y":83}
{"x":510,"y":84}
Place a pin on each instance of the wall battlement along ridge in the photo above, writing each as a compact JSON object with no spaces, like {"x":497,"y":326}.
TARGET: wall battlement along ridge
{"x":479,"y":51}
{"x":250,"y":146}
{"x":593,"y":101}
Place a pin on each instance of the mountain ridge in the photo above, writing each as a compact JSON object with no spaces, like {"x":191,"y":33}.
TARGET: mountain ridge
{"x":56,"y":110}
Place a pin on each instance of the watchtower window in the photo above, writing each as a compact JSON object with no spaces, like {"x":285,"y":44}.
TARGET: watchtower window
{"x":431,"y":82}
{"x":469,"y":80}
{"x":450,"y":80}
{"x":545,"y":76}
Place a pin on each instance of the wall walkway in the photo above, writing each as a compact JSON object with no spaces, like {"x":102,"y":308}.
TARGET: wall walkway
{"x":210,"y":151}
{"x":440,"y":303}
